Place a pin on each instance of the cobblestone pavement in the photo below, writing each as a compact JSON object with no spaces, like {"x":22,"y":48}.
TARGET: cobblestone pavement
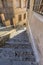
{"x":17,"y":51}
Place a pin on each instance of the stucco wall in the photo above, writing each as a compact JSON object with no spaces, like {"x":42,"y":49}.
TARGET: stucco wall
{"x":36,"y":25}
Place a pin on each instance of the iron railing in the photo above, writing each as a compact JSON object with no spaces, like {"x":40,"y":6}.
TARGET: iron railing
{"x":38,"y":7}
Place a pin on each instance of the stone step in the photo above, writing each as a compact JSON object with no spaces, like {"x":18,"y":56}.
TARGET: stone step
{"x":17,"y":54}
{"x":23,"y":63}
{"x":18,"y":46}
{"x":17,"y":42}
{"x":13,"y":42}
{"x":12,"y":62}
{"x":17,"y":51}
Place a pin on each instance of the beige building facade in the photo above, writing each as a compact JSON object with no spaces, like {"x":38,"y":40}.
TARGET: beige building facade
{"x":20,"y":11}
{"x":14,"y":12}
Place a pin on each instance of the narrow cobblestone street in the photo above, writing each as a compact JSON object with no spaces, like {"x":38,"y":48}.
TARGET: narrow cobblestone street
{"x":17,"y":51}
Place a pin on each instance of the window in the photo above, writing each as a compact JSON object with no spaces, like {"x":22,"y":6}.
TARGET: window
{"x":4,"y":3}
{"x":25,"y":16}
{"x":38,"y":6}
{"x":18,"y":3}
{"x":1,"y":7}
{"x":24,"y":3}
{"x":28,"y":4}
{"x":19,"y":18}
{"x":0,"y":4}
{"x":10,"y":3}
{"x":8,"y":8}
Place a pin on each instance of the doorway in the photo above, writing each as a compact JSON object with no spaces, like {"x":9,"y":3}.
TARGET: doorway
{"x":1,"y":24}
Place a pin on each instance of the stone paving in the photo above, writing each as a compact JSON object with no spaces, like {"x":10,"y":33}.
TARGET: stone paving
{"x":17,"y":51}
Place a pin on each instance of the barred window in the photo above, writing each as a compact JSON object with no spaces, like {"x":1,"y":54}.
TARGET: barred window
{"x":38,"y":6}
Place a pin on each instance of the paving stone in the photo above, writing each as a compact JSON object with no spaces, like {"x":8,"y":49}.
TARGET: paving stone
{"x":5,"y":62}
{"x":17,"y":51}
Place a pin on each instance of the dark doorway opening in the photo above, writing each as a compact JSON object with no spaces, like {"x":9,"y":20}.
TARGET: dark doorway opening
{"x":1,"y":24}
{"x":11,"y":22}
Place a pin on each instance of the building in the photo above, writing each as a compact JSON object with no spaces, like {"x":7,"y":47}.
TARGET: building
{"x":38,"y":4}
{"x":20,"y":11}
{"x":41,"y":6}
{"x":14,"y":12}
{"x":35,"y":27}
